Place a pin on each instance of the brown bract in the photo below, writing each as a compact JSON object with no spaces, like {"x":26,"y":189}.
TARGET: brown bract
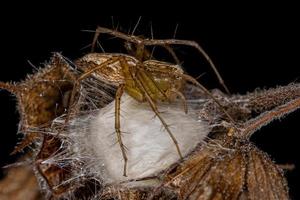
{"x":41,"y":98}
{"x":232,"y":171}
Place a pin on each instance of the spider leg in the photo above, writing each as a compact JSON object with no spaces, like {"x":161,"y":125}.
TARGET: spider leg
{"x":173,"y":54}
{"x":149,"y":55}
{"x":163,"y":42}
{"x":156,"y":111}
{"x":140,"y":50}
{"x":119,"y":93}
{"x":181,"y":96}
{"x":95,"y":40}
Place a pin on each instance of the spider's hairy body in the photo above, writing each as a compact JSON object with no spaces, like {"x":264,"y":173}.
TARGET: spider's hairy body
{"x":150,"y":81}
{"x":112,"y":74}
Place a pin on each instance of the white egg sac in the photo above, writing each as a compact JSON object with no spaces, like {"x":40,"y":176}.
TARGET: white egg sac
{"x":149,"y":147}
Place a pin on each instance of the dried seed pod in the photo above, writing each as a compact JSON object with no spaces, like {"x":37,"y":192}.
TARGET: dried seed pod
{"x":41,"y":97}
{"x":235,"y":171}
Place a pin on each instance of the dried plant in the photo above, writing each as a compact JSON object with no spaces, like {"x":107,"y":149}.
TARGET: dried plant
{"x":18,"y":184}
{"x":225,"y":165}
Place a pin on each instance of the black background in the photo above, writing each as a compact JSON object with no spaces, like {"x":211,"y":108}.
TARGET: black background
{"x":251,"y":49}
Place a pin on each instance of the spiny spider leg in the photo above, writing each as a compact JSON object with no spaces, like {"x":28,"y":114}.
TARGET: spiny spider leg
{"x":181,"y":96}
{"x":119,"y":93}
{"x":173,"y":54}
{"x":162,"y":42}
{"x":156,"y":111}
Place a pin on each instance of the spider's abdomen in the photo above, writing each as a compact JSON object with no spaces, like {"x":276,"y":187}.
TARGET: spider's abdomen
{"x":111,"y":73}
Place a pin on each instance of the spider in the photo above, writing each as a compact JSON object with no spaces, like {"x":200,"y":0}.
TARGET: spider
{"x":144,"y":80}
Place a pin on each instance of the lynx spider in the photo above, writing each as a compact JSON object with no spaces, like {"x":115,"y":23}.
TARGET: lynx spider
{"x":144,"y":80}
